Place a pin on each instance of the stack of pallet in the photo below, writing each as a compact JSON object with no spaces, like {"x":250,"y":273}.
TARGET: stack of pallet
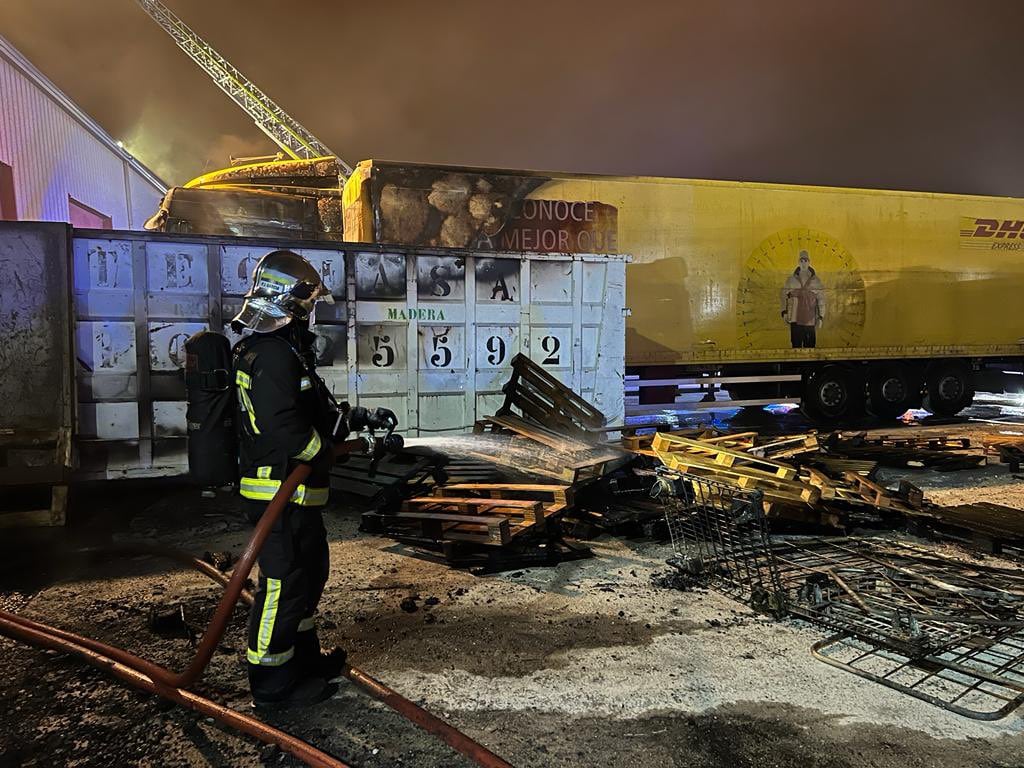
{"x":841,"y":493}
{"x":772,"y":448}
{"x":545,"y":434}
{"x":938,"y":452}
{"x":791,"y":490}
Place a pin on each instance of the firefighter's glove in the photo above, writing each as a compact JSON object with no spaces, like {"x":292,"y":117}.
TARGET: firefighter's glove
{"x":383,"y":418}
{"x":358,"y":418}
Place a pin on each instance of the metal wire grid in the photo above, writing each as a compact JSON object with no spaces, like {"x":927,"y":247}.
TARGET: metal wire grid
{"x":893,"y":595}
{"x":720,"y":537}
{"x":983,"y":683}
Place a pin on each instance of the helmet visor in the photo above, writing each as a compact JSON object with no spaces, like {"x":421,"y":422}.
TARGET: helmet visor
{"x":261,"y":315}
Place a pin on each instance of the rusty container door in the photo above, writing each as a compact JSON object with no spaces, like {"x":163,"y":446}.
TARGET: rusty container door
{"x":36,"y":416}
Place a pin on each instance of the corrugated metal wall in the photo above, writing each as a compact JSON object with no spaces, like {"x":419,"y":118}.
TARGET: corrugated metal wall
{"x":56,"y":152}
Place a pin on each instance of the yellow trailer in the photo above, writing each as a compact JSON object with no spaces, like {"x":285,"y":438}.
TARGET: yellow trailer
{"x":872,"y":297}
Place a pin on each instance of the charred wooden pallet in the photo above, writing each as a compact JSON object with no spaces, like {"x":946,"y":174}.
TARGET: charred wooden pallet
{"x":618,"y":504}
{"x":835,"y":466}
{"x":982,"y":525}
{"x":523,"y":552}
{"x":543,"y":399}
{"x":392,"y":478}
{"x":512,"y":424}
{"x":467,"y":470}
{"x":555,"y":498}
{"x":1008,"y":448}
{"x":533,"y":450}
{"x":940,"y":453}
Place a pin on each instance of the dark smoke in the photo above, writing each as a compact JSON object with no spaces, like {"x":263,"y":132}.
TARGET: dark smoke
{"x":916,"y":94}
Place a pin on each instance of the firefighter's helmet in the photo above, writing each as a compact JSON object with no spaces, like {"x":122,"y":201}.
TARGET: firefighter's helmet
{"x":284,"y":288}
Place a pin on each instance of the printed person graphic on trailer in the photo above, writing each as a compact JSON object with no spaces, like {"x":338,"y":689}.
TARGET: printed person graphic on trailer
{"x":803,"y":303}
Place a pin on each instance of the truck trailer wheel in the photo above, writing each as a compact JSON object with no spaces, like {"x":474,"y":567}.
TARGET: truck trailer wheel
{"x":892,"y":389}
{"x":950,"y":387}
{"x":833,"y":394}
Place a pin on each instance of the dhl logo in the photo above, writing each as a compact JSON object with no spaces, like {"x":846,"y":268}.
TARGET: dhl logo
{"x":1006,"y":228}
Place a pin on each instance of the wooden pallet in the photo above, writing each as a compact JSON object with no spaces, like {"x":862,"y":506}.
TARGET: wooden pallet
{"x":720,"y":455}
{"x":393,"y":477}
{"x":786,"y":447}
{"x":642,"y":443}
{"x":555,"y":498}
{"x":488,"y":514}
{"x":773,"y":487}
{"x":737,"y":440}
{"x":992,"y":443}
{"x":1008,"y":448}
{"x":869,"y":490}
{"x":927,"y":442}
{"x":510,"y":423}
{"x":981,"y":525}
{"x":835,"y":466}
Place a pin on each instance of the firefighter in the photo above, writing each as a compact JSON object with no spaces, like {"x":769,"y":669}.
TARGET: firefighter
{"x":287,"y":416}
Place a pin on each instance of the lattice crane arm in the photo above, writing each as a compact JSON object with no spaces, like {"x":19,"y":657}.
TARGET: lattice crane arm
{"x":284,"y":130}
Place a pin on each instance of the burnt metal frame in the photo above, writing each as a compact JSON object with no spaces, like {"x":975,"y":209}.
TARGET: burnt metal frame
{"x":984,"y":677}
{"x":720,"y":535}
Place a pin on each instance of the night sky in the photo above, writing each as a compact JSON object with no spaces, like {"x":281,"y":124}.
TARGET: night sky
{"x":905,"y":94}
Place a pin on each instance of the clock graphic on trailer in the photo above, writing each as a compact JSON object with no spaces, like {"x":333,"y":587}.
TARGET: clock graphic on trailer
{"x":800,"y":289}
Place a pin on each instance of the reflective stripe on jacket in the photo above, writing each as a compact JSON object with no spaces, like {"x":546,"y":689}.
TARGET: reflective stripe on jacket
{"x":283,"y":416}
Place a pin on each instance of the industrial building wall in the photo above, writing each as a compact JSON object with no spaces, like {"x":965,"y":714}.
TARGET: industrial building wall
{"x":52,"y":153}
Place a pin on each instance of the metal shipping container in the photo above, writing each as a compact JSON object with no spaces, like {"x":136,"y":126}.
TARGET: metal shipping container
{"x":427,"y":332}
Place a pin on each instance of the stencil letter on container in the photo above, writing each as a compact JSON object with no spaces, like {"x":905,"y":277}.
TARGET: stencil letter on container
{"x":497,"y":280}
{"x":551,"y":347}
{"x":380,"y":276}
{"x":381,"y":348}
{"x":106,"y":347}
{"x":167,"y":344}
{"x":496,"y":345}
{"x":442,"y":347}
{"x":237,"y":263}
{"x":440,"y":278}
{"x":103,"y":279}
{"x":177,"y":280}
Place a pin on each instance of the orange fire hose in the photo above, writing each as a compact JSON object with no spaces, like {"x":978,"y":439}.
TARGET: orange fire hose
{"x":40,"y":635}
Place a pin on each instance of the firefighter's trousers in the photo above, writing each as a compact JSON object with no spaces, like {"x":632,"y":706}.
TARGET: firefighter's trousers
{"x":294,"y":563}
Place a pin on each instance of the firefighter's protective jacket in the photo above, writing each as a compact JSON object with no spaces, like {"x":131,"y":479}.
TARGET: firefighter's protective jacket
{"x":284,"y":415}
